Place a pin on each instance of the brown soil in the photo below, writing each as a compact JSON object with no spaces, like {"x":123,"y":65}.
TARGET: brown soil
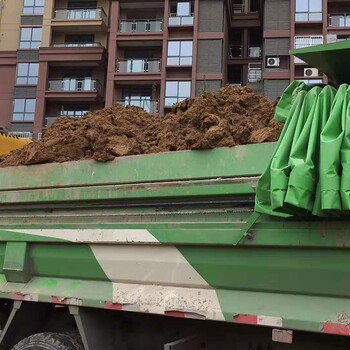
{"x":230,"y":117}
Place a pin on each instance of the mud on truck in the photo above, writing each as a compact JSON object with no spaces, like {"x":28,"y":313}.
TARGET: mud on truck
{"x":243,"y":247}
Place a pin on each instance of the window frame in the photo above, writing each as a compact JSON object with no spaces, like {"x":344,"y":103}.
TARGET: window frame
{"x":308,"y":13}
{"x":34,"y":8}
{"x":31,"y":41}
{"x":25,"y":114}
{"x":178,"y":58}
{"x":27,"y":78}
{"x":179,"y":97}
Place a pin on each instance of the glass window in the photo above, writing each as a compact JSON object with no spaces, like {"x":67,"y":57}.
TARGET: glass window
{"x":30,"y":38}
{"x":308,"y":11}
{"x":33,"y":7}
{"x":183,"y":9}
{"x":23,"y":109}
{"x":176,"y":91}
{"x":27,"y":73}
{"x":180,"y":53}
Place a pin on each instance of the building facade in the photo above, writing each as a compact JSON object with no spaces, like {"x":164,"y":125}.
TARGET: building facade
{"x":66,"y":57}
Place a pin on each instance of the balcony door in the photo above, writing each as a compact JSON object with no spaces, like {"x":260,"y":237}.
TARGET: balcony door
{"x":77,"y":81}
{"x":138,"y":97}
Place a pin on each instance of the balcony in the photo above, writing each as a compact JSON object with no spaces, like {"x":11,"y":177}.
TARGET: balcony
{"x":306,"y":41}
{"x":141,"y":26}
{"x":175,"y":20}
{"x":234,"y":83}
{"x":22,"y":134}
{"x":79,"y":18}
{"x":242,"y":9}
{"x":246,"y":15}
{"x":150,"y":106}
{"x":50,"y":119}
{"x":339,"y":20}
{"x":237,"y":51}
{"x":76,"y":45}
{"x":138,"y":66}
{"x":83,"y":89}
{"x":74,"y":53}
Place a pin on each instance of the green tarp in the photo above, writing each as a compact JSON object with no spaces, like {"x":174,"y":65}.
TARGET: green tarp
{"x":310,"y":168}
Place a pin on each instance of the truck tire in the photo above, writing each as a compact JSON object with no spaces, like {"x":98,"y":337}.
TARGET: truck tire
{"x":50,"y":341}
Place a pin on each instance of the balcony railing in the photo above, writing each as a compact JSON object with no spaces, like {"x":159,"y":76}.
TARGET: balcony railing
{"x":306,"y":41}
{"x":22,"y":134}
{"x":175,"y":20}
{"x":254,"y":51}
{"x":75,"y":85}
{"x":83,"y":14}
{"x":138,"y":66}
{"x":234,"y":83}
{"x":150,"y":106}
{"x":141,"y":26}
{"x":77,"y":45}
{"x":339,"y":20}
{"x":235,"y":51}
{"x":242,"y":9}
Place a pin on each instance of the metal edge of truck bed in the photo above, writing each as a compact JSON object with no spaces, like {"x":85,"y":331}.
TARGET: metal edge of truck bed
{"x":239,"y":161}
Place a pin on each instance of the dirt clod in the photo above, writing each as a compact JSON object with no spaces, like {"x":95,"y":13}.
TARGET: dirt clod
{"x":232,"y":116}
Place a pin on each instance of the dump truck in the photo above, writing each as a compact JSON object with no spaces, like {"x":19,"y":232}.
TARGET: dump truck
{"x":231,"y":248}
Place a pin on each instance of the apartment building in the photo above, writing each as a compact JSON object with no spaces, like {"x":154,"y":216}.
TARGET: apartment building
{"x":292,"y":24}
{"x":67,"y":57}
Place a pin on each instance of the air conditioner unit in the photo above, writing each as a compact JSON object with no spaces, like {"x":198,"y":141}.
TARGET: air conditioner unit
{"x":255,"y":51}
{"x":272,"y":62}
{"x":311,"y":72}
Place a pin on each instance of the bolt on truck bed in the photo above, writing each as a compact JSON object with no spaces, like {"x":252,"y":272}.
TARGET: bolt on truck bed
{"x":167,"y":234}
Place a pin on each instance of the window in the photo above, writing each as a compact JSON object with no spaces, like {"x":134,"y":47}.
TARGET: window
{"x":180,"y":53}
{"x":176,"y":91}
{"x":183,"y":9}
{"x":30,"y":38}
{"x":27,"y":73}
{"x":308,"y":10}
{"x":23,"y":109}
{"x":33,"y":7}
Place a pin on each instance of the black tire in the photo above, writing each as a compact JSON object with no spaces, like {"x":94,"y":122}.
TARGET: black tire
{"x":50,"y":341}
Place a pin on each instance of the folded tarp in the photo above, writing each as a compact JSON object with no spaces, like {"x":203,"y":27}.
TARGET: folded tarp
{"x":310,"y":169}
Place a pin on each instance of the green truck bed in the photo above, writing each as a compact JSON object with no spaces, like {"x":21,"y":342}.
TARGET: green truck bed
{"x":172,"y":234}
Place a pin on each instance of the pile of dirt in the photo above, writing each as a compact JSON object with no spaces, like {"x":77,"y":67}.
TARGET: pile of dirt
{"x":230,"y":117}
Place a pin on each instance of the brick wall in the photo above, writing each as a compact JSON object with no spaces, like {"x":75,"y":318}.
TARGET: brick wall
{"x":209,"y":56}
{"x":211,"y":16}
{"x":277,"y":46}
{"x":275,"y":88}
{"x":277,"y":15}
{"x":207,"y":86}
